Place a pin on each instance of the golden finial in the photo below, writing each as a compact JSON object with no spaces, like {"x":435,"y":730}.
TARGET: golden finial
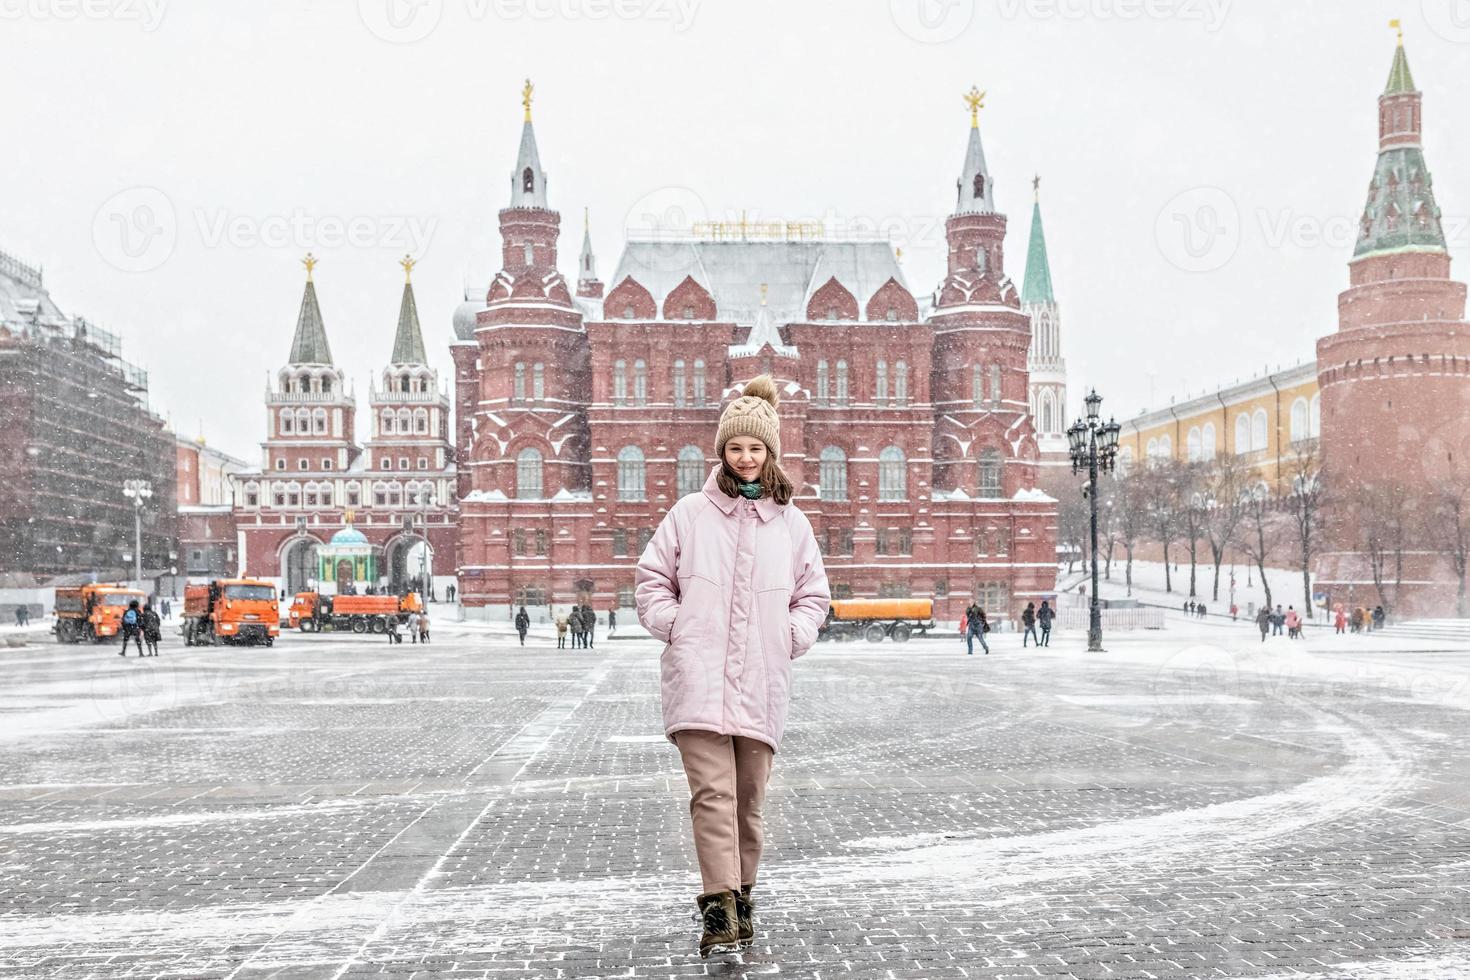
{"x":310,"y":262}
{"x":763,"y":294}
{"x":898,"y":253}
{"x":348,"y":515}
{"x":1398,"y":25}
{"x":526,"y":91}
{"x":408,"y":262}
{"x":975,"y":99}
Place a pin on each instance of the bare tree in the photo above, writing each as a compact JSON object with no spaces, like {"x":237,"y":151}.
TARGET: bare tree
{"x":1193,"y":498}
{"x":1072,"y":527}
{"x":1385,"y":529}
{"x":1451,"y":501}
{"x":1128,"y":505}
{"x":1304,"y":505}
{"x":1226,"y":480}
{"x":1159,"y":484}
{"x":1256,"y":533}
{"x":1108,"y":520}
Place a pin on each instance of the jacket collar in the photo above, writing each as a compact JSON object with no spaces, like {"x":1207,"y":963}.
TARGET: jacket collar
{"x":765,"y":507}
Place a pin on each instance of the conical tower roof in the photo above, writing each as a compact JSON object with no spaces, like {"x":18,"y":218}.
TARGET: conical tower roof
{"x":528,"y":180}
{"x":408,"y":342}
{"x":1401,"y":213}
{"x":309,"y":345}
{"x":975,"y":191}
{"x":1400,"y":79}
{"x":1037,"y":286}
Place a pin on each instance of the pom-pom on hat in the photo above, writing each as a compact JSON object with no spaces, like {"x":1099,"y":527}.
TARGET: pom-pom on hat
{"x":752,"y":414}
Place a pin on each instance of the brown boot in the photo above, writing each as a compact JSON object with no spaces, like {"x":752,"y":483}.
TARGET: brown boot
{"x":745,"y":915}
{"x":717,"y":913}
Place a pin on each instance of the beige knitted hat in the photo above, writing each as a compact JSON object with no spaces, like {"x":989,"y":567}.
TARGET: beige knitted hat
{"x":752,"y":414}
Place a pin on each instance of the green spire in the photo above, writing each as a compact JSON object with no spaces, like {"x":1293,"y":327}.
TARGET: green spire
{"x":1036,"y":288}
{"x":408,"y":343}
{"x":309,"y":346}
{"x":1400,"y":81}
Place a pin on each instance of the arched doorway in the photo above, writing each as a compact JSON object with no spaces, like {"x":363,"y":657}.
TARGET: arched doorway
{"x":344,"y":577}
{"x":299,"y":566}
{"x":410,"y":565}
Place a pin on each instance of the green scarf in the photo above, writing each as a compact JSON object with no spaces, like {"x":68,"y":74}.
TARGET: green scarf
{"x":750,"y":491}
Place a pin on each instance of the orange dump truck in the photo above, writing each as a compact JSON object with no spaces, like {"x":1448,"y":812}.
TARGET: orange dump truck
{"x":312,"y":612}
{"x":92,"y":612}
{"x":235,"y":610}
{"x":874,"y":619}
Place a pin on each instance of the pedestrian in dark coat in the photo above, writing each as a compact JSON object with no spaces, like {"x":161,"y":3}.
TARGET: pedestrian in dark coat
{"x":976,"y":627}
{"x":1028,"y":620}
{"x":152,"y":629}
{"x":589,"y":626}
{"x":1044,"y":616}
{"x":523,"y":623}
{"x":1379,"y":617}
{"x":612,"y":619}
{"x":1263,"y":622}
{"x":132,"y":628}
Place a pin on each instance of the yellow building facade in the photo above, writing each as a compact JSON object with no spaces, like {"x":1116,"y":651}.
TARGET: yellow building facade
{"x":1263,"y":420}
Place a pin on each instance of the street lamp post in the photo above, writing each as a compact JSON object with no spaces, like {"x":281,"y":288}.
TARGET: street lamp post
{"x":137,"y":491}
{"x":1094,"y":445}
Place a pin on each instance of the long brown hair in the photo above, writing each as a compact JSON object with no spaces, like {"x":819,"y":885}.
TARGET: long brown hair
{"x":773,"y":480}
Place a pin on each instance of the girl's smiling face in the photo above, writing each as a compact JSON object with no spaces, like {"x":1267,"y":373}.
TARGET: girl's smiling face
{"x":745,"y":455}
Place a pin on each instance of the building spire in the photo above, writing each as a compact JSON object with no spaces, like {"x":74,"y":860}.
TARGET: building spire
{"x":528,"y":180}
{"x":974,"y":191}
{"x":408,"y":342}
{"x":1400,"y":80}
{"x":1401,"y":213}
{"x":309,"y":345}
{"x":1036,"y":288}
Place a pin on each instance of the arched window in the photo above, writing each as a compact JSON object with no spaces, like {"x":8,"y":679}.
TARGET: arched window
{"x":518,"y":389}
{"x":833,"y":474}
{"x":385,"y":422}
{"x":977,"y":385}
{"x":979,"y":186}
{"x":1166,"y":447}
{"x":1125,"y":460}
{"x":901,"y":383}
{"x":880,"y":384}
{"x":1193,"y":444}
{"x":303,"y":421}
{"x":640,"y":382}
{"x":1046,"y":412}
{"x":630,"y":474}
{"x":995,"y":384}
{"x":528,"y":181}
{"x":403,"y":382}
{"x":679,"y":383}
{"x":325,"y":489}
{"x":690,"y":476}
{"x":319,"y":421}
{"x":1152,"y":450}
{"x":821,"y":382}
{"x":421,"y":420}
{"x":405,"y":420}
{"x":1314,"y":419}
{"x":538,"y":381}
{"x":842,"y":383}
{"x":286,"y":423}
{"x":1242,"y":433}
{"x":1258,"y":429}
{"x":528,"y":474}
{"x":982,"y":258}
{"x":620,"y":382}
{"x":699,"y":381}
{"x":1301,"y":420}
{"x":990,"y":468}
{"x":892,"y":475}
{"x":1207,"y":442}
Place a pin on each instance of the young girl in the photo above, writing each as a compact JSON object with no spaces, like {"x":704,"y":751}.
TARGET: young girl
{"x":733,"y":582}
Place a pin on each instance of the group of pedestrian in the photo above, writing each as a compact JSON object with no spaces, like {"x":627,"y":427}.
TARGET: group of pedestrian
{"x":1031,"y":618}
{"x":1361,"y":619}
{"x":580,"y":623}
{"x":22,"y":615}
{"x":141,"y":625}
{"x":1271,"y":622}
{"x":416,"y":624}
{"x":1197,"y":609}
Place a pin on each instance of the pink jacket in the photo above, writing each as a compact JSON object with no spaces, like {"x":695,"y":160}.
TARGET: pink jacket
{"x":736,"y":590}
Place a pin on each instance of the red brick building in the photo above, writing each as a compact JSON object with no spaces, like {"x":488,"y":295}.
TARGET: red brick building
{"x":582,"y":414}
{"x":397,"y":489}
{"x":1395,"y":377}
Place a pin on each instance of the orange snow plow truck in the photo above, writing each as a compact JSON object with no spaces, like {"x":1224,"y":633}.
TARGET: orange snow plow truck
{"x":874,"y":619}
{"x":235,"y":610}
{"x":312,"y":612}
{"x":92,"y":612}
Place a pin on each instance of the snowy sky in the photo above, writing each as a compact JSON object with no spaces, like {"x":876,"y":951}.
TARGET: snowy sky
{"x":1203,"y":162}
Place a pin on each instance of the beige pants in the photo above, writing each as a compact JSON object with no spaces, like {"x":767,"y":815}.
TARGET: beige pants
{"x":727,"y":788}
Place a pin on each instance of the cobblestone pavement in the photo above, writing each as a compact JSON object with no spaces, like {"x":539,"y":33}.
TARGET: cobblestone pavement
{"x":1191,"y":804}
